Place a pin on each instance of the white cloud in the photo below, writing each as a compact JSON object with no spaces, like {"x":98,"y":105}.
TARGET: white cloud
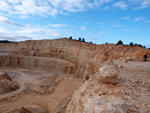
{"x":127,"y":30}
{"x":121,"y":5}
{"x":58,"y":25}
{"x":104,"y":33}
{"x":116,"y":25}
{"x":25,"y":32}
{"x":97,"y":3}
{"x":102,"y":27}
{"x":106,"y":8}
{"x":139,"y":18}
{"x":28,"y":8}
{"x":140,"y":4}
{"x":32,"y":33}
{"x":126,"y":18}
{"x":101,"y":23}
{"x":115,"y":22}
{"x":5,"y":20}
{"x":147,"y":21}
{"x":83,"y":28}
{"x":25,"y":8}
{"x":147,"y":46}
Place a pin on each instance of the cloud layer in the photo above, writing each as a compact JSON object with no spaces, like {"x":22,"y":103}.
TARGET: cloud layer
{"x":27,"y":8}
{"x":14,"y":31}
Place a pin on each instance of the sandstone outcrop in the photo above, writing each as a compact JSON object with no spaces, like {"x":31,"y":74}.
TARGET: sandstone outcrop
{"x":108,"y":74}
{"x":105,"y":104}
{"x":72,"y":57}
{"x":7,"y":84}
{"x":93,"y":96}
{"x":125,"y":96}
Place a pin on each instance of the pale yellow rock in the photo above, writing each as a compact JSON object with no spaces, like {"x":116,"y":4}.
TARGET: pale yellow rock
{"x":108,"y":74}
{"x":105,"y":104}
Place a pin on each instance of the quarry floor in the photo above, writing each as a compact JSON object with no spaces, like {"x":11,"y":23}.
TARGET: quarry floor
{"x":29,"y":92}
{"x":134,"y":78}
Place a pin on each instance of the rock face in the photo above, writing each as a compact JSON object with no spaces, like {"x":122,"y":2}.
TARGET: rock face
{"x":7,"y":84}
{"x":94,"y":97}
{"x":65,"y":55}
{"x":108,"y":74}
{"x":126,"y":95}
{"x":105,"y":104}
{"x":4,"y":75}
{"x":102,"y":92}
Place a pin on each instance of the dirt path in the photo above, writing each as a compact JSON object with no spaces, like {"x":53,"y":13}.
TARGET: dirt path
{"x":51,"y":101}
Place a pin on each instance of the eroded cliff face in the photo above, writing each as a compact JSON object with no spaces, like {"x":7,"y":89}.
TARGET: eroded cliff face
{"x":99,"y":94}
{"x":64,"y":55}
{"x":115,"y":87}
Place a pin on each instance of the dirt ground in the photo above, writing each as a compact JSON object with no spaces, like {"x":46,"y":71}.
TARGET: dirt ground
{"x":134,"y":79}
{"x":29,"y":93}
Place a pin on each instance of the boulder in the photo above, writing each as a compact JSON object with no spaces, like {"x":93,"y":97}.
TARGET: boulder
{"x":105,"y":104}
{"x":7,"y":84}
{"x":108,"y":74}
{"x":4,"y":75}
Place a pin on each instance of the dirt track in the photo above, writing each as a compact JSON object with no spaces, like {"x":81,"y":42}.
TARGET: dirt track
{"x":63,"y":89}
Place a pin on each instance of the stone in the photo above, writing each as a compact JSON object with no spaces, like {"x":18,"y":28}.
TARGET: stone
{"x":108,"y":74}
{"x":105,"y":104}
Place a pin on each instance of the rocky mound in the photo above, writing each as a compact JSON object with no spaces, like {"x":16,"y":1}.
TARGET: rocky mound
{"x":99,"y":94}
{"x":7,"y":84}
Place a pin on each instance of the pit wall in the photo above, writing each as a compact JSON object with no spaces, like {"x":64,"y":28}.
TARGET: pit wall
{"x":65,"y":55}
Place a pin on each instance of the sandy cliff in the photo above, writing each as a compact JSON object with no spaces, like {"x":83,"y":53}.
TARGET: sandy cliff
{"x":65,"y":55}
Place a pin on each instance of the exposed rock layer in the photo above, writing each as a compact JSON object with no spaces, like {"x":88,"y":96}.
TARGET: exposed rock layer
{"x":65,"y":55}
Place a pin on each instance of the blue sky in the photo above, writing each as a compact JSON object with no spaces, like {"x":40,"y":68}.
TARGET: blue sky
{"x":98,"y":21}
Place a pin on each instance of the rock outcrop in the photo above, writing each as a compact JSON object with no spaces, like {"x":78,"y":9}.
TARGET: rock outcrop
{"x":93,"y":96}
{"x":7,"y":84}
{"x":72,"y":57}
{"x":111,"y":93}
{"x":108,"y":74}
{"x":103,"y":91}
{"x":105,"y":104}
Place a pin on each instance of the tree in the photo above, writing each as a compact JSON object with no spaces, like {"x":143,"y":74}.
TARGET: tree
{"x":83,"y":40}
{"x":79,"y":39}
{"x":70,"y":37}
{"x":131,"y":44}
{"x":120,"y":42}
{"x":4,"y":41}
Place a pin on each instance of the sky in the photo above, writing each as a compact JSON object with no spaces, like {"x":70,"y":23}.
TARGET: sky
{"x":99,"y":21}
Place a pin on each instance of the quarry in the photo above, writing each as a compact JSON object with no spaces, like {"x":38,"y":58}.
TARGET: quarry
{"x":68,"y":76}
